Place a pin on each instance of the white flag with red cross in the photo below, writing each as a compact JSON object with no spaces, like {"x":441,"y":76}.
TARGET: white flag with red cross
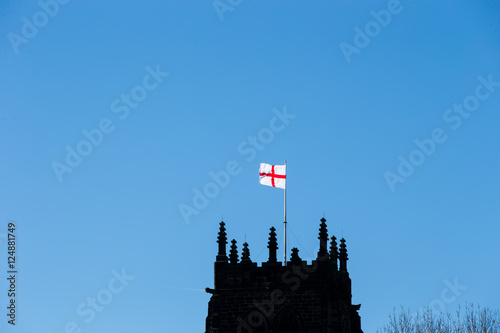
{"x":272,"y":175}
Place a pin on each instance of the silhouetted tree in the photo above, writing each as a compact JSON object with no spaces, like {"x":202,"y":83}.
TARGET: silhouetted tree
{"x":475,"y":320}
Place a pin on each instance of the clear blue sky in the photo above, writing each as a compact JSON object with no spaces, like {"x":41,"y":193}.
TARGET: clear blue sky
{"x":359,"y":104}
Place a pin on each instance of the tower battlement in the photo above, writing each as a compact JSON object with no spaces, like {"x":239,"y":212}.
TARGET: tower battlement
{"x":293,"y":298}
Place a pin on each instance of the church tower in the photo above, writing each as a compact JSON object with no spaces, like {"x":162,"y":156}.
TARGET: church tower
{"x":277,"y":298}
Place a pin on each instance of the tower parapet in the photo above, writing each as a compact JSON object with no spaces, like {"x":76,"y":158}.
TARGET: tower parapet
{"x":295,"y":297}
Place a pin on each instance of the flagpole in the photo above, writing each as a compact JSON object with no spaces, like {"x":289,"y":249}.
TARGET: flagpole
{"x":284,"y":223}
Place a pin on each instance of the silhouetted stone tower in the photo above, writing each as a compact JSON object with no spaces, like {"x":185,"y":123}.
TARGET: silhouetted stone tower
{"x":273,"y":298}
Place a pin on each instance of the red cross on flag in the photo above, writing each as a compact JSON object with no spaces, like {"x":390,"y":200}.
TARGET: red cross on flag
{"x":272,"y":175}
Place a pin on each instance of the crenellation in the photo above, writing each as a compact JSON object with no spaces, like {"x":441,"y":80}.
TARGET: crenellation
{"x":296,"y":297}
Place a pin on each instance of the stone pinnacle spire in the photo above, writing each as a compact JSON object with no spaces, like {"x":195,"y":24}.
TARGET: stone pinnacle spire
{"x":233,"y":253}
{"x":343,"y":256}
{"x":222,"y":240}
{"x":334,"y":252}
{"x":245,"y":256}
{"x":272,"y":245}
{"x":323,"y":239}
{"x":295,"y":259}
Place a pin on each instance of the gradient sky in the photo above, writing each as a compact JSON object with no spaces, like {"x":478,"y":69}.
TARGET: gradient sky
{"x":353,"y":118}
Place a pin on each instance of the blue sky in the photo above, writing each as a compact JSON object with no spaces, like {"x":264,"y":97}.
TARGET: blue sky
{"x":171,"y":92}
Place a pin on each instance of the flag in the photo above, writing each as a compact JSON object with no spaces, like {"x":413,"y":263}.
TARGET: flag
{"x":272,"y":175}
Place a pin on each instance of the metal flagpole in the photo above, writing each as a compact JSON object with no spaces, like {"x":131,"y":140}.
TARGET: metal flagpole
{"x":284,"y":223}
